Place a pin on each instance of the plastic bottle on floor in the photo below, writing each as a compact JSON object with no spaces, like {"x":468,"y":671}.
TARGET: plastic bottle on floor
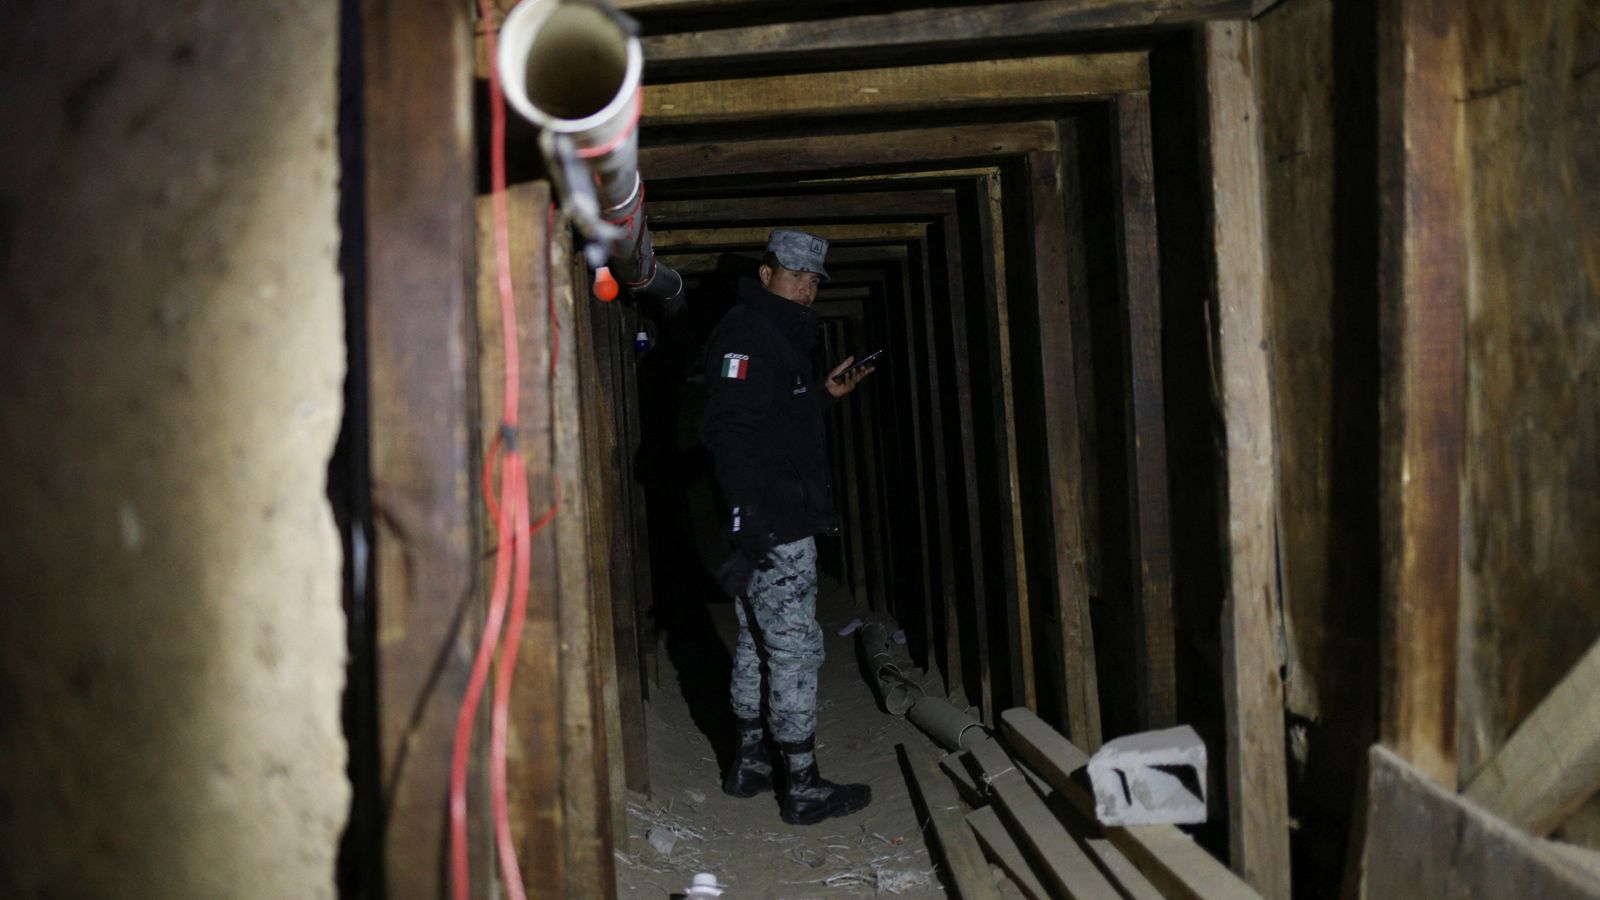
{"x":705,"y":885}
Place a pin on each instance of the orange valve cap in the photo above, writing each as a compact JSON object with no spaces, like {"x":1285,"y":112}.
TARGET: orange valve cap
{"x":605,"y":286}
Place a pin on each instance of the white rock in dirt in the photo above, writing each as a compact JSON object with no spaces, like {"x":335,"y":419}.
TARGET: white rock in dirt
{"x":662,"y":839}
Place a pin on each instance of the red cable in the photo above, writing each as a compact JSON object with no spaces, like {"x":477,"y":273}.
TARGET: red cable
{"x":465,"y":717}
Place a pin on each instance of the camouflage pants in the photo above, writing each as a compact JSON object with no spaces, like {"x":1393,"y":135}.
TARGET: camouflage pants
{"x":778,"y":627}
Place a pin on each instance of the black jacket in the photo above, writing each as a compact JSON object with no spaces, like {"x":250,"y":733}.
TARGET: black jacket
{"x":763,"y":421}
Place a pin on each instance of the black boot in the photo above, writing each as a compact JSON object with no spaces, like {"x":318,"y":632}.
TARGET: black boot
{"x":809,"y":798}
{"x":751,"y":772}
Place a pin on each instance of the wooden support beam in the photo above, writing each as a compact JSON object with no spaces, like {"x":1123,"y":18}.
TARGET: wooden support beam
{"x":1258,"y":805}
{"x":613,"y":463}
{"x":1551,"y":765}
{"x":535,"y":769}
{"x":983,"y":83}
{"x":943,"y":812}
{"x":1173,"y":862}
{"x":956,"y":366}
{"x":1150,"y":539}
{"x":1062,"y":863}
{"x":800,"y":209}
{"x":1044,"y":327}
{"x":668,"y":239}
{"x":893,"y":34}
{"x":1422,"y":298}
{"x":1423,"y":838}
{"x":910,"y":147}
{"x":586,"y":826}
{"x":416,"y":66}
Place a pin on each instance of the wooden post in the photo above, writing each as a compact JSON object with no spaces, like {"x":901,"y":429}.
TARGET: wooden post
{"x":1422,"y":298}
{"x":948,"y":238}
{"x":1149,"y":524}
{"x":1057,"y":350}
{"x":1258,"y":810}
{"x":416,"y":70}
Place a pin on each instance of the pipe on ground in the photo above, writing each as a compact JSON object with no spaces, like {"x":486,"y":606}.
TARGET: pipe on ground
{"x":575,"y":68}
{"x":952,"y":728}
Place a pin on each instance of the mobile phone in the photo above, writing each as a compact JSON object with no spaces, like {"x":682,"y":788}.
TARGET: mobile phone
{"x":869,"y":359}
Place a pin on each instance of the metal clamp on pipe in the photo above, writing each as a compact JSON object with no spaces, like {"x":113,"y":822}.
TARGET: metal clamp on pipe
{"x":574,"y":68}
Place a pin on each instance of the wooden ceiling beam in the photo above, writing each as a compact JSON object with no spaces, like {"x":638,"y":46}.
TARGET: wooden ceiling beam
{"x":983,"y":83}
{"x":920,"y":146}
{"x":790,"y":43}
{"x":801,"y":208}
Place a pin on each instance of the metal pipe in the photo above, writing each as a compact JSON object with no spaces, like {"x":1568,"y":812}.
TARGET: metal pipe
{"x":575,"y":68}
{"x":899,"y":695}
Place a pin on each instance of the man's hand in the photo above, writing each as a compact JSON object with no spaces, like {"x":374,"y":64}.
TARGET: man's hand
{"x":839,"y":389}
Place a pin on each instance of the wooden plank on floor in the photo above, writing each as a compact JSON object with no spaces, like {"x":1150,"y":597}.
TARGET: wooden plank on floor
{"x":1424,"y":838}
{"x":983,"y":83}
{"x":1173,"y":862}
{"x":419,"y":233}
{"x":808,"y":154}
{"x":1063,"y":865}
{"x":963,"y":857}
{"x":1258,"y":804}
{"x":1422,"y":300}
{"x":1551,"y":764}
{"x":999,"y":845}
{"x":1150,"y":539}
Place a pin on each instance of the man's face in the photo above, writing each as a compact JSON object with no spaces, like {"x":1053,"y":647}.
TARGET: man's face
{"x":801,"y":287}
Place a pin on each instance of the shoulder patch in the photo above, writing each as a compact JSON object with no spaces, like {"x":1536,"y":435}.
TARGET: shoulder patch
{"x":735,"y":365}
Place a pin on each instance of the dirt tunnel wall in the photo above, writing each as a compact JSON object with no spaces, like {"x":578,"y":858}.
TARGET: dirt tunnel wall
{"x":171,"y":638}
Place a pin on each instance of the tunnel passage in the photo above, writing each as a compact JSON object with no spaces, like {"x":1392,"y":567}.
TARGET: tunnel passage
{"x":1005,"y":480}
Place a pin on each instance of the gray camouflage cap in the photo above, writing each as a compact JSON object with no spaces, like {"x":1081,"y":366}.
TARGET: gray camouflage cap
{"x":799,"y":251}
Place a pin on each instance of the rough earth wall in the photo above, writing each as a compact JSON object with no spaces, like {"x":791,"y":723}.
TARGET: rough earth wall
{"x":171,"y":348}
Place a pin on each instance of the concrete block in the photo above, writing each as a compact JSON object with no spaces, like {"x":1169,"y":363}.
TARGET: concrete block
{"x":1151,"y":778}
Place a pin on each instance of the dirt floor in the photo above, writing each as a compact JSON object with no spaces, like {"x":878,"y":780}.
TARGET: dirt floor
{"x":880,"y":851}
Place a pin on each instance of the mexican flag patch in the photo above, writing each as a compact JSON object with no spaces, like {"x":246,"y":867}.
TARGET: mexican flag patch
{"x":735,"y":365}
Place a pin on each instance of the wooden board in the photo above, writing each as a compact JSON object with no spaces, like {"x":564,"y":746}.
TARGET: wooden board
{"x":419,"y":276}
{"x":535,"y":769}
{"x":890,"y":35}
{"x":963,"y":858}
{"x":1149,"y":535}
{"x":586,"y":833}
{"x":1000,"y":846}
{"x":1421,"y":834}
{"x":1551,"y":764}
{"x":1062,"y":863}
{"x":1257,"y":764}
{"x":744,"y":236}
{"x":957,"y":369}
{"x":919,"y":146}
{"x":982,"y":83}
{"x":1531,"y":120}
{"x":1422,"y":300}
{"x":1043,"y":334}
{"x":1173,"y":862}
{"x":800,"y":209}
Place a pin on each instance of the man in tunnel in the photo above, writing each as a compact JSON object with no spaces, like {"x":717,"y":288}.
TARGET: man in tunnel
{"x":763,"y":424}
